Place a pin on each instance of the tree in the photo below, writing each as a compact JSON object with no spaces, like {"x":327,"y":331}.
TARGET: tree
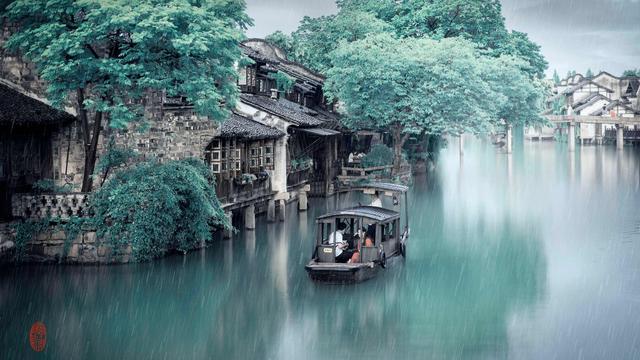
{"x":412,"y":86}
{"x":523,"y":96}
{"x":588,"y":74}
{"x":631,"y":72}
{"x":556,"y":77}
{"x":106,"y":56}
{"x":521,"y":46}
{"x":480,"y":21}
{"x":315,"y":38}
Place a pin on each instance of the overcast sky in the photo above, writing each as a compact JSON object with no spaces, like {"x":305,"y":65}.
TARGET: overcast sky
{"x":574,"y":34}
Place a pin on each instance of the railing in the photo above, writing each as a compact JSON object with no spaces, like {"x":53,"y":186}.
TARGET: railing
{"x":40,"y":206}
{"x":352,"y":174}
{"x":230,"y":191}
{"x":594,"y":119}
{"x":627,"y":134}
{"x":296,"y":177}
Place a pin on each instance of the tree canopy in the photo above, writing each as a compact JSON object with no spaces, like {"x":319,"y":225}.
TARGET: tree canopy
{"x":110,"y":54}
{"x":412,"y":86}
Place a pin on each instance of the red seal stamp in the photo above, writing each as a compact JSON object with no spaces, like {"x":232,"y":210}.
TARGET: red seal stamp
{"x":38,"y":336}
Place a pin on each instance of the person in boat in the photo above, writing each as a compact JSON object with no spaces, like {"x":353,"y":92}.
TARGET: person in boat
{"x":343,"y":254}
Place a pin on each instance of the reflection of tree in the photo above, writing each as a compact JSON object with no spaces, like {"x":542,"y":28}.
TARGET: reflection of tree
{"x":250,"y":298}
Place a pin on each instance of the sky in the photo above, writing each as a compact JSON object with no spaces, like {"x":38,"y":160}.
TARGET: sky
{"x":574,"y":34}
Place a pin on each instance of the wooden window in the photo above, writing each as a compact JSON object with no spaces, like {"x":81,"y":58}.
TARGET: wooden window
{"x":215,"y":167}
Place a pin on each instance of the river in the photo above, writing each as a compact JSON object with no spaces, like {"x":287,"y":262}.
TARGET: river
{"x":534,"y":255}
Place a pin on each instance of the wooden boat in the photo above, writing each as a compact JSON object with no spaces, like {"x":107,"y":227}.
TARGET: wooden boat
{"x":381,"y":224}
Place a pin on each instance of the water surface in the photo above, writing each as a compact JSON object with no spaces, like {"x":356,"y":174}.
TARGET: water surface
{"x":534,"y":255}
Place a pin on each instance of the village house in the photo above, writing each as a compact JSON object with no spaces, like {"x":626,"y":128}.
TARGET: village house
{"x":278,"y":146}
{"x":603,"y":95}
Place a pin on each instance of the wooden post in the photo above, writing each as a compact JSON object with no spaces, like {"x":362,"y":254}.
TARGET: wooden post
{"x":226,"y":234}
{"x":281,"y":210}
{"x":302,"y":200}
{"x":250,"y":217}
{"x":598,"y":134}
{"x":571,"y":138}
{"x":619,"y":136}
{"x":271,"y":211}
{"x":509,"y":139}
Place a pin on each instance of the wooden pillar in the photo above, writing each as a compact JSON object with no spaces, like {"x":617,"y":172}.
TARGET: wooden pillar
{"x":619,"y":136}
{"x":271,"y":211}
{"x":571,"y":138}
{"x":226,"y":234}
{"x":281,"y":209}
{"x":509,"y":139}
{"x":598,"y":134}
{"x":302,"y":200}
{"x":250,"y":217}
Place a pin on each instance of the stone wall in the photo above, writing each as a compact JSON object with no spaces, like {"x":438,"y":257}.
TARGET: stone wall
{"x":14,"y":69}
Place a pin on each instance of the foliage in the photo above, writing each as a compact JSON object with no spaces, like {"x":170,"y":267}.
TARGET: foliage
{"x":26,"y":232}
{"x":113,"y":158}
{"x":588,"y":74}
{"x":413,"y":86}
{"x":479,"y":21}
{"x":281,"y":40}
{"x":379,"y":155}
{"x":523,"y":96}
{"x":49,"y":186}
{"x":284,"y":82}
{"x":520,"y":46}
{"x":303,"y":163}
{"x":315,"y":38}
{"x":558,"y":106}
{"x":556,"y":77}
{"x":111,"y":54}
{"x":631,"y":72}
{"x":158,"y":206}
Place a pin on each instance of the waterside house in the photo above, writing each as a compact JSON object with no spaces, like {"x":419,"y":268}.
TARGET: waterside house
{"x":603,"y":95}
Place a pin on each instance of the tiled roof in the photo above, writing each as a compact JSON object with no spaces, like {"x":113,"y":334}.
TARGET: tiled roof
{"x":580,"y":85}
{"x":18,"y":109}
{"x":268,"y":53}
{"x":242,"y":128}
{"x":588,"y":101}
{"x":283,"y":109}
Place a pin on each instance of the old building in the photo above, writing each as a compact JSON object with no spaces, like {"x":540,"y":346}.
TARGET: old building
{"x":35,"y":144}
{"x":603,"y":95}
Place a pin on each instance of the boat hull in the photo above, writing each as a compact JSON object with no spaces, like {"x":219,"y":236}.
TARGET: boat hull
{"x":341,"y":273}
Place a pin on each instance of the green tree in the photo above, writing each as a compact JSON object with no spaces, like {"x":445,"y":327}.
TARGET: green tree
{"x":521,"y":46}
{"x":588,"y":74}
{"x":105,"y":56}
{"x":480,"y":21}
{"x":412,"y":86}
{"x":631,"y":72}
{"x":556,"y":77}
{"x":523,"y":96}
{"x":156,"y":207}
{"x":315,"y":38}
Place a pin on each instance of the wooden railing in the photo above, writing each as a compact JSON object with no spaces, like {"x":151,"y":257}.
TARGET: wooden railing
{"x":594,"y":119}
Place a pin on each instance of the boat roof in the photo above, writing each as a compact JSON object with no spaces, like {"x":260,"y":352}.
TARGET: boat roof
{"x":382,"y":186}
{"x":370,"y":212}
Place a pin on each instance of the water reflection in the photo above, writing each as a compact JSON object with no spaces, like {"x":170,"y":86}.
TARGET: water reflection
{"x":506,"y":251}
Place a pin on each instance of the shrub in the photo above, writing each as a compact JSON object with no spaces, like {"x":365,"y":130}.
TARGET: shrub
{"x":155,"y":207}
{"x":379,"y":155}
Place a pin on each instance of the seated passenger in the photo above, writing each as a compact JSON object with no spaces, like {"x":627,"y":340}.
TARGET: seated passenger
{"x":343,"y":255}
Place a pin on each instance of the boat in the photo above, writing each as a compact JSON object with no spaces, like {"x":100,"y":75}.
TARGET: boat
{"x":387,"y":233}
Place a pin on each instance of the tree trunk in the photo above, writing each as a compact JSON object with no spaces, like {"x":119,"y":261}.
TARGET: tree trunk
{"x":90,"y":154}
{"x":398,"y":142}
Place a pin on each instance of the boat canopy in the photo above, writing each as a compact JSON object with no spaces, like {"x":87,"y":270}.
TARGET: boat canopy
{"x":381,"y":186}
{"x":374,"y":213}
